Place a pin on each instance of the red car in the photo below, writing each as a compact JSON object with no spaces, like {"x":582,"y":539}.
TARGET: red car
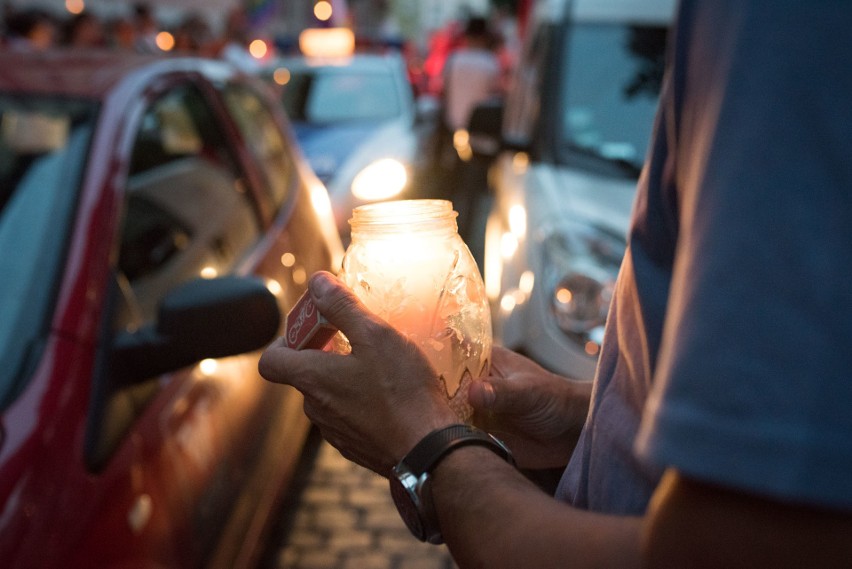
{"x":155,"y":223}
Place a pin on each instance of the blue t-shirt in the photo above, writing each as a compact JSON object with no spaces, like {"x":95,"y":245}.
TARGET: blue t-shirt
{"x":728,"y":352}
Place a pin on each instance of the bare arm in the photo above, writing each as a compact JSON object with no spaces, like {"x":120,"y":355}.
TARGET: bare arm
{"x":491,"y":516}
{"x":694,"y":524}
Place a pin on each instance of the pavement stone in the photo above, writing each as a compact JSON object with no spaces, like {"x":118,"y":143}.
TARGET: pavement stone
{"x":342,"y":517}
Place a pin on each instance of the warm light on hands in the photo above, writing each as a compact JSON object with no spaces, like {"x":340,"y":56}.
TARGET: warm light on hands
{"x":373,"y":404}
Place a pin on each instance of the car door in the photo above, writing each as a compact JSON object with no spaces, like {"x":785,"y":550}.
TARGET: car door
{"x":174,"y":451}
{"x":300,"y":239}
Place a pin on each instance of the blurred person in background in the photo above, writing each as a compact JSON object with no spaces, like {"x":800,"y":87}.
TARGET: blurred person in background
{"x":84,"y":30}
{"x":31,"y":29}
{"x":147,"y":28}
{"x":121,"y":34}
{"x":472,"y":73}
{"x":234,"y":45}
{"x":442,"y":42}
{"x":193,"y":36}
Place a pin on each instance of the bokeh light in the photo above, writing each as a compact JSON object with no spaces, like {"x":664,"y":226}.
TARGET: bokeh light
{"x":258,"y":49}
{"x":75,"y":6}
{"x":323,"y":10}
{"x":281,"y":75}
{"x":165,"y":41}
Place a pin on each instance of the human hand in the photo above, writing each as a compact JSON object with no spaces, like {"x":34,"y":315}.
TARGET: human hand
{"x":373,"y":404}
{"x":538,"y":414}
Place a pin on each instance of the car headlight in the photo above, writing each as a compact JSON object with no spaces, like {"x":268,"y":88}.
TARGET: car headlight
{"x":580,"y":267}
{"x":381,"y":180}
{"x":580,"y":303}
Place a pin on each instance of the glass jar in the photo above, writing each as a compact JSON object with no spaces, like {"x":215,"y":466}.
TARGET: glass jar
{"x":408,"y":264}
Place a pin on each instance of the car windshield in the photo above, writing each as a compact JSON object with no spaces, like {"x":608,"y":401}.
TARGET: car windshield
{"x":609,"y":106}
{"x":43,"y":145}
{"x":322,"y":96}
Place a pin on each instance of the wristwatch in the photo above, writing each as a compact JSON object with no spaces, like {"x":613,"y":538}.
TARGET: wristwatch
{"x":410,"y":481}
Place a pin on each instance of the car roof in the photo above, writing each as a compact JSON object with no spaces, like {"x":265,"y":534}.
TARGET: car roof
{"x":618,"y":11}
{"x":365,"y":62}
{"x":84,"y":74}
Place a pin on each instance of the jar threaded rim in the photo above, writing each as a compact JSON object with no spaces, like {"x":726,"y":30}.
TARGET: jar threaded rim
{"x":403,"y":215}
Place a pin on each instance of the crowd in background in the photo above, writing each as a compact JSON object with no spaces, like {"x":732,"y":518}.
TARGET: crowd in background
{"x":37,"y":29}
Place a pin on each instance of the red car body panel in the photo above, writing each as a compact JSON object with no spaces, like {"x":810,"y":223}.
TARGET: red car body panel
{"x":198,"y":477}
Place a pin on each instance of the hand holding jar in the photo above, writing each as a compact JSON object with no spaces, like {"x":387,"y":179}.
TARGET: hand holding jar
{"x":415,"y":316}
{"x":408,"y":264}
{"x":374,"y":403}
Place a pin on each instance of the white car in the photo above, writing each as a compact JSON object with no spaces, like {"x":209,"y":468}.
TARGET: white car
{"x":356,"y":122}
{"x":575,"y":130}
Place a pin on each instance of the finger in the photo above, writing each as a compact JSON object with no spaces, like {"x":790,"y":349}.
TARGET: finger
{"x":503,"y":395}
{"x":497,"y":393}
{"x":340,"y":306}
{"x":481,"y":395}
{"x":280,"y":364}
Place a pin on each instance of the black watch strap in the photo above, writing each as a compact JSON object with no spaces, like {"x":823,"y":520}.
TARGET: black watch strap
{"x":410,"y":480}
{"x":439,"y":443}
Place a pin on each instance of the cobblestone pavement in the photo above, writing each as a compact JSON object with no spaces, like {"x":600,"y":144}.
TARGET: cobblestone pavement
{"x":341,"y":517}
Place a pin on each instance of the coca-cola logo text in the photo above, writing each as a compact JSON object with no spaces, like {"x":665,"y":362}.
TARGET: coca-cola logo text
{"x":306,"y":311}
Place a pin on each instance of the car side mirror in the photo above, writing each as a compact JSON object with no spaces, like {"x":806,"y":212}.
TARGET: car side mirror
{"x":485,"y":128}
{"x":204,"y":318}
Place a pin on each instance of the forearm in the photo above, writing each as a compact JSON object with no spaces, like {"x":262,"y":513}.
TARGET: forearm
{"x":694,"y":524}
{"x":492,"y":516}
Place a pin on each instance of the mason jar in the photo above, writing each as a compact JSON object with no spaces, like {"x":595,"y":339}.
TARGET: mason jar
{"x":408,"y":264}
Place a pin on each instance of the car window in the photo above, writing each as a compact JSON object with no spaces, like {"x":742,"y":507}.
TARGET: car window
{"x":608,"y":106}
{"x":186,"y":215}
{"x":179,"y":125}
{"x":339,"y":96}
{"x":44,"y":143}
{"x":261,"y":134}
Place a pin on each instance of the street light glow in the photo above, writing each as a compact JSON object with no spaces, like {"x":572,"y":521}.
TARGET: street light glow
{"x":323,"y":10}
{"x":75,"y":6}
{"x":165,"y":41}
{"x":258,"y":49}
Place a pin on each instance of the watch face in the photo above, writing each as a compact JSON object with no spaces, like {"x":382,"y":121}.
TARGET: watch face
{"x":406,"y":503}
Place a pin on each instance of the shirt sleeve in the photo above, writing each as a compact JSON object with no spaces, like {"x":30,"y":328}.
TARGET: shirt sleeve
{"x":753,"y":386}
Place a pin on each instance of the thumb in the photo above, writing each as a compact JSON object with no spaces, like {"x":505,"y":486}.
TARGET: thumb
{"x":498,"y":395}
{"x":482,"y":396}
{"x":339,"y":305}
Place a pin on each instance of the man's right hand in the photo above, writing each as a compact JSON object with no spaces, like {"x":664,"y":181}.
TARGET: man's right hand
{"x":538,"y":414}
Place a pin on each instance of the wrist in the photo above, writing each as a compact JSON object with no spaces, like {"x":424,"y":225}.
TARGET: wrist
{"x":419,"y":428}
{"x":410,"y":480}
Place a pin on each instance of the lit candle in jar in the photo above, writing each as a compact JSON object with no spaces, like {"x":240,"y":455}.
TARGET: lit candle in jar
{"x":409,"y":265}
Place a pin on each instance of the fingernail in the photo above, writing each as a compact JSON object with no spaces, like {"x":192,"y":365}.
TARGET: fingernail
{"x":320,"y":285}
{"x":488,"y":395}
